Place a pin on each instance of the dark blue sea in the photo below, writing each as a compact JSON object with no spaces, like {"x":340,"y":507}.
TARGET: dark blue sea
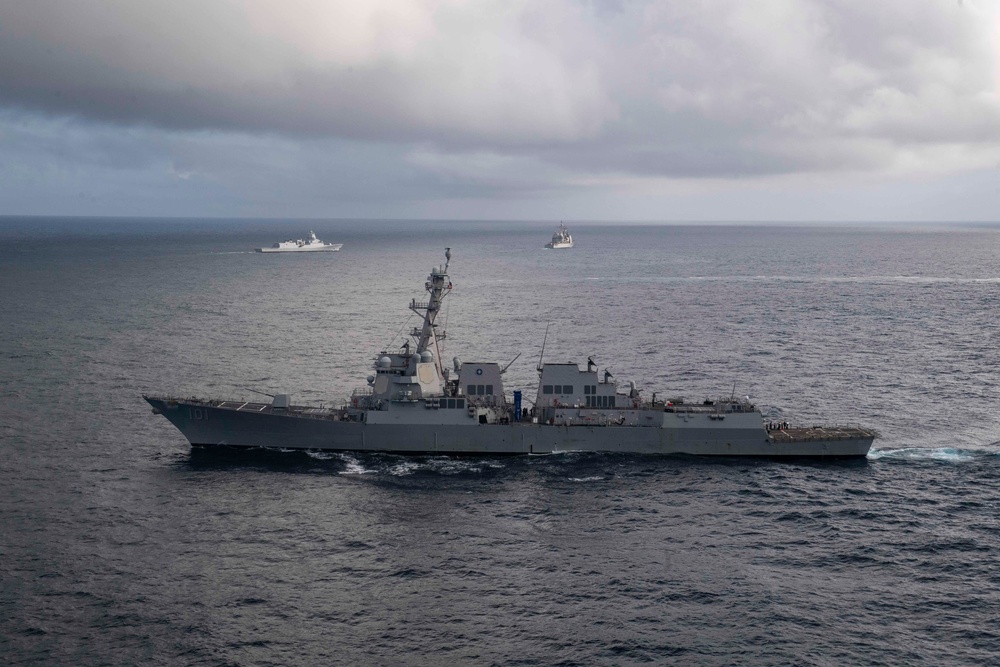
{"x":120,"y":545}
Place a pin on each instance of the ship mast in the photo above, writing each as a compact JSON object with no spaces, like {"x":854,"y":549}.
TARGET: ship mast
{"x":438,"y":286}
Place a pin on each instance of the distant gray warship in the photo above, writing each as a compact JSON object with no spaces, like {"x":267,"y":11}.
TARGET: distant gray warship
{"x":413,"y":404}
{"x":310,"y":244}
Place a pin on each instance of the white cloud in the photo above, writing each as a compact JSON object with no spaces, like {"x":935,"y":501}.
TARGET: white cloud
{"x":405,"y":69}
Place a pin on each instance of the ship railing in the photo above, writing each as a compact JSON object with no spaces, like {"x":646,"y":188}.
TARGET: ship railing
{"x":219,"y":402}
{"x":839,"y":426}
{"x":321,"y":411}
{"x":822,"y":432}
{"x":687,"y":408}
{"x":719,"y":407}
{"x":854,"y":427}
{"x":486,"y":401}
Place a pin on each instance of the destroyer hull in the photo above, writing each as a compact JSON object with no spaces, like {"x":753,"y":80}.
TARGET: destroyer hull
{"x":329,"y":248}
{"x":205,"y":424}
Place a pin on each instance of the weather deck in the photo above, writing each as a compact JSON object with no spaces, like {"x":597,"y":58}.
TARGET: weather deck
{"x":806,"y":434}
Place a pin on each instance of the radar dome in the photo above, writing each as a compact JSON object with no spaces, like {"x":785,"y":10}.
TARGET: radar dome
{"x":384,"y":362}
{"x":426,"y":356}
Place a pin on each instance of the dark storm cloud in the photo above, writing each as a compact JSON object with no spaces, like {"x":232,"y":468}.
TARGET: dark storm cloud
{"x":503,"y":98}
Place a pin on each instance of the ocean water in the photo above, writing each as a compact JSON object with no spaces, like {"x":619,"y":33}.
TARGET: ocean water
{"x":119,"y":544}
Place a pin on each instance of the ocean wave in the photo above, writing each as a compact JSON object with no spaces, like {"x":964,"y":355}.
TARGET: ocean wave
{"x":320,"y":455}
{"x":404,"y":468}
{"x":949,"y":454}
{"x":352,"y":466}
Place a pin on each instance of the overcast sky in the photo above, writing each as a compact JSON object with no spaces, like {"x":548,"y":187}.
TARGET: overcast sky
{"x":610,"y":110}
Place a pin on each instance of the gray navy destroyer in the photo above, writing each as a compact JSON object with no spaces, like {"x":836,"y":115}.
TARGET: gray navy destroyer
{"x":415,"y":404}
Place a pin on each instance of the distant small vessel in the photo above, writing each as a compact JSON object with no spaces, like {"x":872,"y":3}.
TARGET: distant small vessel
{"x":561,"y":239}
{"x":311,"y":244}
